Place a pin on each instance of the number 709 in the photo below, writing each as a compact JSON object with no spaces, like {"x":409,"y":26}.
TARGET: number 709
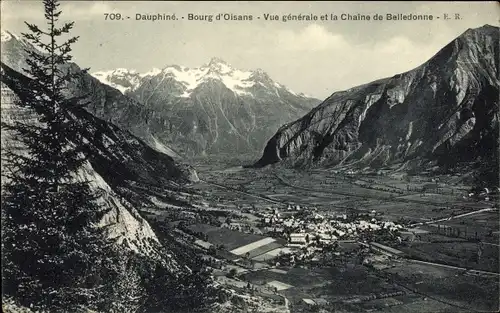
{"x":112,"y":16}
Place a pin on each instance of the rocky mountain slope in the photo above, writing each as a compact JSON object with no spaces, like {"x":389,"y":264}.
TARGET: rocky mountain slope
{"x":117,"y":163}
{"x":211,"y":109}
{"x":106,"y":102}
{"x":444,"y":111}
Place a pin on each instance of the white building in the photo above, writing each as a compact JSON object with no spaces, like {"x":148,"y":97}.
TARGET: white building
{"x":298,"y":238}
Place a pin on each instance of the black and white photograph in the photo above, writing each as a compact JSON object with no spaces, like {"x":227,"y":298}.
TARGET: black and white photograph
{"x":250,"y":156}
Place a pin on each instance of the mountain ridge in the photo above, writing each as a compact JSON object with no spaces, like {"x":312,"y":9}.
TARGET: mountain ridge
{"x":215,"y":68}
{"x":442,"y":111}
{"x":115,"y":158}
{"x":211,"y":110}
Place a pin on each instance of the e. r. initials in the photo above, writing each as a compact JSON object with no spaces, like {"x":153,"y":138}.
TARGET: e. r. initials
{"x":447,"y":17}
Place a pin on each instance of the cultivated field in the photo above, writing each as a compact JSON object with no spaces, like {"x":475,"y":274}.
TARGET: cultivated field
{"x":448,"y":222}
{"x":230,"y":239}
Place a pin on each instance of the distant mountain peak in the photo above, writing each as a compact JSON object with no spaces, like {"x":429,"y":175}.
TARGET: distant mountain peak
{"x":218,"y":66}
{"x":122,"y":70}
{"x":205,"y":109}
{"x":188,"y":79}
{"x":216,"y":61}
{"x":486,"y":29}
{"x":260,"y":75}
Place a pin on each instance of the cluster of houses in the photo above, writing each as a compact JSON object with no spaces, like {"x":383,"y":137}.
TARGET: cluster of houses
{"x":303,"y":227}
{"x":241,"y":227}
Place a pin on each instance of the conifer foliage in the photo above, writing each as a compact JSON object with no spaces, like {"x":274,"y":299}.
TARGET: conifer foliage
{"x":52,"y":256}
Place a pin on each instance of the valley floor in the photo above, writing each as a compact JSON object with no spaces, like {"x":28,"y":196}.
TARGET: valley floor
{"x":446,"y":258}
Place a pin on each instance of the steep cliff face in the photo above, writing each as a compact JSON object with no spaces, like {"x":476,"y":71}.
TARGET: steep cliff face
{"x":117,"y":161}
{"x":446,"y":110}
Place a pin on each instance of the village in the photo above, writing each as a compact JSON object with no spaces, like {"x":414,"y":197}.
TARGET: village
{"x":350,"y":242}
{"x":254,"y":250}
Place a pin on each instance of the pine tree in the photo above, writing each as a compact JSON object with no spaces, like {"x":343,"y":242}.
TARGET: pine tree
{"x":51,"y":254}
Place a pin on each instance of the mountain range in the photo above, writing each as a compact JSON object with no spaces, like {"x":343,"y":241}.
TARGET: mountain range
{"x":444,"y":112}
{"x":211,"y":109}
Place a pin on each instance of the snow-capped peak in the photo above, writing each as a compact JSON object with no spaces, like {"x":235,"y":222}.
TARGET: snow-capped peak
{"x":216,"y":62}
{"x":259,"y":71}
{"x":236,"y":80}
{"x":217,"y":69}
{"x":263,"y":77}
{"x":218,"y":66}
{"x":116,"y":72}
{"x":121,"y":78}
{"x":124,"y":71}
{"x":155,"y":71}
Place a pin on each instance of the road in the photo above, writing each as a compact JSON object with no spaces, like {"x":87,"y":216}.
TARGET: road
{"x":465,"y":270}
{"x":433,"y":297}
{"x":490,"y":244}
{"x":243,"y":284}
{"x":453,"y":217}
{"x":426,"y":295}
{"x":349,"y":194}
{"x":245,"y":193}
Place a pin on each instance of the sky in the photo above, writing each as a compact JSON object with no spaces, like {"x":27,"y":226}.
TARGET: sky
{"x":314,"y":57}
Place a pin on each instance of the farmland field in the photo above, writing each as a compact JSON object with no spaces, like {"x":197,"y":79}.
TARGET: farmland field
{"x":449,"y":225}
{"x":222,"y":236}
{"x":458,"y":253}
{"x":449,"y":285}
